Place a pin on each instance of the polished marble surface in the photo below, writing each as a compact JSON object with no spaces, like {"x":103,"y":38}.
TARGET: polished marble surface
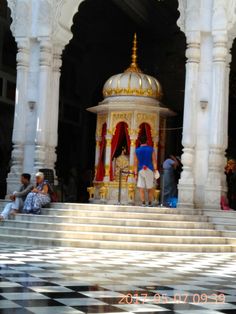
{"x":69,"y":281}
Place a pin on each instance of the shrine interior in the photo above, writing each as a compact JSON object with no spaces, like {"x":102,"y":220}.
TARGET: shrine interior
{"x":101,"y":47}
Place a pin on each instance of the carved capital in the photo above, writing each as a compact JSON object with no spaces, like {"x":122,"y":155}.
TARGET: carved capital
{"x":193,"y":47}
{"x":220,"y":49}
{"x":22,"y":57}
{"x":45,"y":58}
{"x":57,"y":62}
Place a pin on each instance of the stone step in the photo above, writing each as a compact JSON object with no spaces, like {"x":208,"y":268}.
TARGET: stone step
{"x":99,"y":236}
{"x":229,"y":234}
{"x":112,"y":229}
{"x":124,"y":227}
{"x":120,"y":208}
{"x":140,"y":246}
{"x":219,"y":213}
{"x":115,"y":221}
{"x":225,"y":226}
{"x":121,"y":214}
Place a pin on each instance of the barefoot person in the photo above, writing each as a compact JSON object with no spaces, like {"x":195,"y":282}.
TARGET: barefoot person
{"x":18,"y":198}
{"x":145,"y":165}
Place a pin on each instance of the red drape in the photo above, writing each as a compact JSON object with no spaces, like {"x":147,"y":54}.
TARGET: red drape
{"x":101,"y":167}
{"x":127,"y":137}
{"x":148,"y":134}
{"x":145,"y":129}
{"x":118,"y":137}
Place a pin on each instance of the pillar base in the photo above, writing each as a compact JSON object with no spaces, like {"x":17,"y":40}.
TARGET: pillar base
{"x":13,"y":182}
{"x":213,"y":197}
{"x":185,"y":196}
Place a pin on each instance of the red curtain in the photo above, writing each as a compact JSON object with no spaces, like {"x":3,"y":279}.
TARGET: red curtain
{"x":127,"y":138}
{"x":148,"y":134}
{"x":101,"y":167}
{"x":145,"y":129}
{"x":117,"y":139}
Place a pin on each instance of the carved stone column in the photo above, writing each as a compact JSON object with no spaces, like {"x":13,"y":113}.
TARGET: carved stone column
{"x":53,"y":106}
{"x":186,"y":183}
{"x":131,"y":156}
{"x":219,"y":121}
{"x":43,"y":110}
{"x":155,"y":140}
{"x":107,"y":157}
{"x":21,"y":106}
{"x":97,"y":153}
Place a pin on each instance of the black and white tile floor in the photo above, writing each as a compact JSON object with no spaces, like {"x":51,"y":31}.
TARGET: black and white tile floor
{"x":72,"y":281}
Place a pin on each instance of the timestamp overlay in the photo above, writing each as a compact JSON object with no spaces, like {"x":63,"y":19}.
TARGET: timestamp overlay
{"x":176,"y":297}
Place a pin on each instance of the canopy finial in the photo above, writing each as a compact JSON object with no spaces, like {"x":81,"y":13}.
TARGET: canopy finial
{"x":134,"y":66}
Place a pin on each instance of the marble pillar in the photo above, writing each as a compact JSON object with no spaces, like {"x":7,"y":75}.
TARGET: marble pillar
{"x":219,"y":121}
{"x":186,"y":183}
{"x":44,"y":101}
{"x":53,"y":107}
{"x":21,"y":107}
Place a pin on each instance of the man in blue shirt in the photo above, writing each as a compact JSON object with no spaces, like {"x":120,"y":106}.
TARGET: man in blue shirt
{"x":145,"y":164}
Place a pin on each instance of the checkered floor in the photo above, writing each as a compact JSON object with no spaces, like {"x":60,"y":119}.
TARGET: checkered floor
{"x":70,"y":281}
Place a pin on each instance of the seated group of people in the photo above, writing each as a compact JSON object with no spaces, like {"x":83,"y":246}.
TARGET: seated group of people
{"x":29,"y":199}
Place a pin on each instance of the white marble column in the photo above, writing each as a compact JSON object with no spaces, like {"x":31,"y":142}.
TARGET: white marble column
{"x":186,"y":183}
{"x":53,"y":107}
{"x":44,"y":102}
{"x":21,"y":106}
{"x":218,"y":120}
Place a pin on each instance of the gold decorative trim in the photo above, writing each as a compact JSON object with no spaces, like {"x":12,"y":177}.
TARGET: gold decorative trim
{"x":117,"y":117}
{"x":101,"y":119}
{"x":133,"y":143}
{"x":132,"y":92}
{"x":108,"y":142}
{"x":150,"y":118}
{"x":107,"y":170}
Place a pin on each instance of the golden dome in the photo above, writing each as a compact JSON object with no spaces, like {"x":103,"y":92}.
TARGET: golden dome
{"x":132,"y":82}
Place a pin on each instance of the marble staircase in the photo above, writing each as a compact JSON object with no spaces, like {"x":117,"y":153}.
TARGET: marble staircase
{"x":124,"y":227}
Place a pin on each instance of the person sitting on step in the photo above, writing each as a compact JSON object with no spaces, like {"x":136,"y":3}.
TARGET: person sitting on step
{"x":38,"y":197}
{"x":18,"y":198}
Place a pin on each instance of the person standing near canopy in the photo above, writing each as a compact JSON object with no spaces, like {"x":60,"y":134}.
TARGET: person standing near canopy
{"x":169,"y":184}
{"x":145,"y":169}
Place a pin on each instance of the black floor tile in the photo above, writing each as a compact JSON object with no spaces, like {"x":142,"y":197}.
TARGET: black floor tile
{"x":64,"y":295}
{"x":35,"y":303}
{"x":98,"y":309}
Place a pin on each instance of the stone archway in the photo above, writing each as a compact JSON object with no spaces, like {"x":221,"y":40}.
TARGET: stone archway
{"x":41,"y":38}
{"x":118,"y":59}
